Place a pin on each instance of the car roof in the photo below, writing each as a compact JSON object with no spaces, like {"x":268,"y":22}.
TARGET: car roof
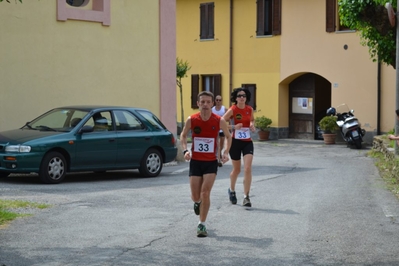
{"x":89,"y":108}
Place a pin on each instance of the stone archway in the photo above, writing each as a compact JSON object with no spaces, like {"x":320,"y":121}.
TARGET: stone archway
{"x":309,"y":98}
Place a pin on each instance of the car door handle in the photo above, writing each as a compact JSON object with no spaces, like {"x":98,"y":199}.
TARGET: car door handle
{"x":111,"y":140}
{"x":147,"y":138}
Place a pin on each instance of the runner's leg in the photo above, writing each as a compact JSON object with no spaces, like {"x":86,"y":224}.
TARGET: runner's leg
{"x":207,"y":184}
{"x":234,"y":173}
{"x":247,"y":173}
{"x":195,"y":185}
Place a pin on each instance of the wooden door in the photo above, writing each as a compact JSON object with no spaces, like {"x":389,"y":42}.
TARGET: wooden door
{"x":309,"y":95}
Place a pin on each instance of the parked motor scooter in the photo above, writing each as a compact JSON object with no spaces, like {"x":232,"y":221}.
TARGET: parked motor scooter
{"x":349,"y":125}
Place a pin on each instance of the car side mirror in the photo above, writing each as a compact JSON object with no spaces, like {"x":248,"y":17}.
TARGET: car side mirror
{"x":86,"y":129}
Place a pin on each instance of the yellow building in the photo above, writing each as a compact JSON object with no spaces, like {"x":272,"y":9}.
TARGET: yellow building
{"x":68,"y":52}
{"x":293,"y":56}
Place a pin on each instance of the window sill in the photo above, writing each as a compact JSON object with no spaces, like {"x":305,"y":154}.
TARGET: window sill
{"x":264,"y":36}
{"x":345,"y":31}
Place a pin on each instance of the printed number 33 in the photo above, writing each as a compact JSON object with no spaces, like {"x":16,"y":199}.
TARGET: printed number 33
{"x":203,"y":147}
{"x":242,"y":135}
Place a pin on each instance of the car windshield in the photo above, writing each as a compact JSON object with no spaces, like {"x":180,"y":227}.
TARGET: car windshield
{"x":152,"y":119}
{"x":57,"y":120}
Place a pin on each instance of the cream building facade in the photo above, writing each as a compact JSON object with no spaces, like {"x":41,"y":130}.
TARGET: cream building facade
{"x":62,"y":52}
{"x":286,"y":52}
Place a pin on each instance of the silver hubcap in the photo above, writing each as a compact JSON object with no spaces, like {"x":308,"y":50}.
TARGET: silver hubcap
{"x":153,"y":163}
{"x":56,"y":168}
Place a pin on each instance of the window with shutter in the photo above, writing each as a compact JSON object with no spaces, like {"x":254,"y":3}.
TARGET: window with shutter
{"x":330,"y":15}
{"x":268,"y":17}
{"x":276,"y":17}
{"x":252,"y":90}
{"x":194,"y":90}
{"x":217,"y":89}
{"x":207,"y":21}
{"x":211,"y":83}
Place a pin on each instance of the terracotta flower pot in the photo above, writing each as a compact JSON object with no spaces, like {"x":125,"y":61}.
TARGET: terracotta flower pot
{"x":263,"y":135}
{"x":329,"y":138}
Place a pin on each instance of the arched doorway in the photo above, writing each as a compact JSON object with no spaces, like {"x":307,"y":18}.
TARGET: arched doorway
{"x":309,"y":98}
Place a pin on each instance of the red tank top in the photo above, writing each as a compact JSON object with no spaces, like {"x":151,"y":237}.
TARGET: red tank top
{"x":204,"y":137}
{"x":242,"y":116}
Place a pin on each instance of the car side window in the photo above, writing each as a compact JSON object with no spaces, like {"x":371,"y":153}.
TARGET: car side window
{"x":76,"y":117}
{"x":125,"y":120}
{"x":100,"y":121}
{"x":150,"y":117}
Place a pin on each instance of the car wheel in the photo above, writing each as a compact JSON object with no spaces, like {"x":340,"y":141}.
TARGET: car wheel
{"x":3,"y":174}
{"x":151,"y":164}
{"x":53,"y":168}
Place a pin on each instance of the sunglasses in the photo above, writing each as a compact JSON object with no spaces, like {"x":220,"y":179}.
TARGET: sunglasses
{"x":241,"y":96}
{"x":218,"y":100}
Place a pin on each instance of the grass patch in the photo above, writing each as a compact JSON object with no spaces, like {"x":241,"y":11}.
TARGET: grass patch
{"x":6,"y":216}
{"x":391,"y":143}
{"x":9,"y":209}
{"x":389,"y":170}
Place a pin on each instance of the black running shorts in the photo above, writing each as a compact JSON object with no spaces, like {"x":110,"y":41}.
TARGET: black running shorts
{"x":239,"y":147}
{"x":200,"y":168}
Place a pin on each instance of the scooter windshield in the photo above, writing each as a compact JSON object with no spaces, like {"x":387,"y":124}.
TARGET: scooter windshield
{"x":342,"y":108}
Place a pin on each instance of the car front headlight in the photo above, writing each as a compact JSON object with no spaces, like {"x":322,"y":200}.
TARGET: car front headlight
{"x":18,"y":148}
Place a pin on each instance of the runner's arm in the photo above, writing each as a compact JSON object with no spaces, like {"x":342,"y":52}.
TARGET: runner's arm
{"x":227,"y":135}
{"x":183,"y":137}
{"x":251,"y":123}
{"x":227,"y":117}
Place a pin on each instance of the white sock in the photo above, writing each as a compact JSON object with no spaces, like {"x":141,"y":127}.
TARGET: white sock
{"x":203,"y":223}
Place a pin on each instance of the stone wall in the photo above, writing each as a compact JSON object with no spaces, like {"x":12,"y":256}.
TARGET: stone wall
{"x":381,"y":144}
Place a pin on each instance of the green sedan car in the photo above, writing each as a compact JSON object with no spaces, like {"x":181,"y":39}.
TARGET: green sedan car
{"x":87,"y":138}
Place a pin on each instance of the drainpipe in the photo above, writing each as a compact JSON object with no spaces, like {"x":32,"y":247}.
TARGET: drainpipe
{"x":379,"y":98}
{"x":231,"y":50}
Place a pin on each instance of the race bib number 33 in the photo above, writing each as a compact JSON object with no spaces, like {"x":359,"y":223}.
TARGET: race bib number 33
{"x":243,"y":133}
{"x":204,"y":145}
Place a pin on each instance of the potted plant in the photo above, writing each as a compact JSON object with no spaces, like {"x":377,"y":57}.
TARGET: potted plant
{"x":263,"y":124}
{"x":329,"y":125}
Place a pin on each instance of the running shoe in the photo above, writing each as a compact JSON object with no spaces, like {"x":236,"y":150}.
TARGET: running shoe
{"x":201,"y":231}
{"x":197,"y":207}
{"x":232,"y":196}
{"x":246,"y":202}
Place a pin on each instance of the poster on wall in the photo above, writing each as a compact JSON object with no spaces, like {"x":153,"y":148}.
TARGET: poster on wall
{"x":302,"y":105}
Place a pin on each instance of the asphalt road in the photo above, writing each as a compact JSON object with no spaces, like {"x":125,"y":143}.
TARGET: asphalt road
{"x":312,"y":205}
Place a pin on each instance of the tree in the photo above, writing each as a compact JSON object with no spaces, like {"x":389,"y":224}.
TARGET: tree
{"x":181,"y":71}
{"x":370,"y":18}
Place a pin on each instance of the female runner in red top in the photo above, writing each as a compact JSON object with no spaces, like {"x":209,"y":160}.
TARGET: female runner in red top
{"x":243,"y":124}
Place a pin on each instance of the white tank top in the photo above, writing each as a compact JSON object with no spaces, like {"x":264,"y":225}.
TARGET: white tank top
{"x":221,"y":112}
